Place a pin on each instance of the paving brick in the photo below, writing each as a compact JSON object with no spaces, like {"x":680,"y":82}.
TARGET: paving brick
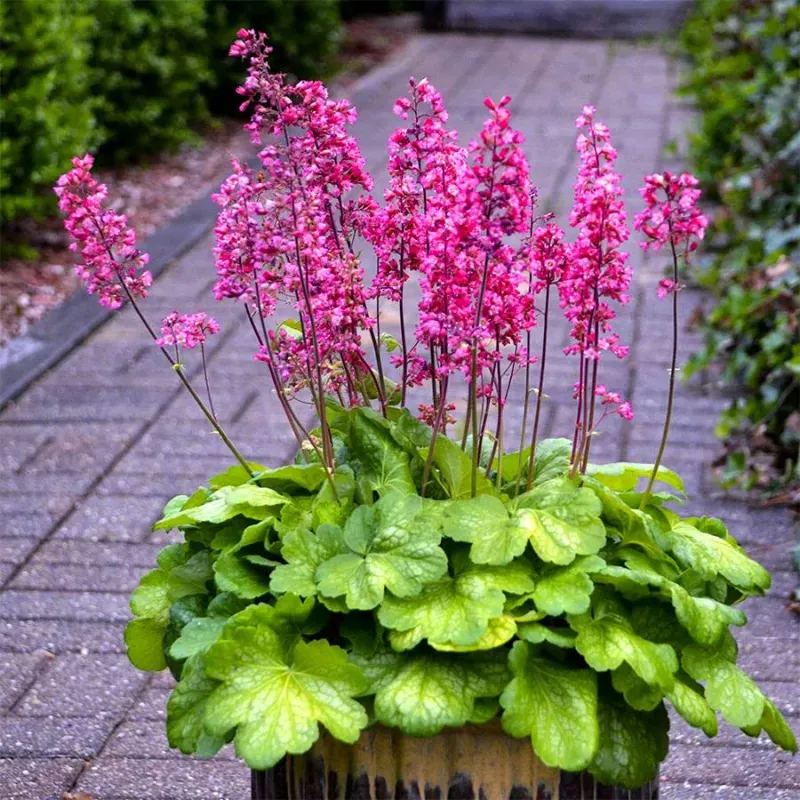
{"x":37,"y":778}
{"x":17,"y":673}
{"x":768,"y":769}
{"x":69,"y":577}
{"x":83,"y":448}
{"x":78,"y":606}
{"x":133,"y":555}
{"x":23,"y":737}
{"x":113,"y":519}
{"x":60,"y":636}
{"x":15,"y":551}
{"x":36,"y":525}
{"x":83,"y":686}
{"x":695,"y":791}
{"x":148,"y":739}
{"x":159,"y":779}
{"x":151,"y":705}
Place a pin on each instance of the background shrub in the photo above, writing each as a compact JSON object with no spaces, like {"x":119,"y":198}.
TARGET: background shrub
{"x":306,"y":37}
{"x":149,"y":68}
{"x":746,"y":81}
{"x":47,"y":113}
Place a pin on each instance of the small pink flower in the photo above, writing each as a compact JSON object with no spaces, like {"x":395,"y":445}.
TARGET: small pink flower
{"x":671,"y":213}
{"x":186,"y":330}
{"x":667,"y":287}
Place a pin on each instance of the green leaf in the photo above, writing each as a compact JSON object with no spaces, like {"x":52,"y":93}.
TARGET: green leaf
{"x":186,"y":711}
{"x":561,"y":520}
{"x":728,"y":689}
{"x":484,"y":709}
{"x":691,"y":704}
{"x":609,"y":641}
{"x":291,"y":477}
{"x":536,"y":633}
{"x":553,"y":704}
{"x":567,"y":589}
{"x":776,"y":727}
{"x":430,"y":691}
{"x":144,"y":639}
{"x":242,"y":578}
{"x":705,"y":619}
{"x":624,"y":476}
{"x":385,"y":466}
{"x":276,"y":697}
{"x":455,"y":468}
{"x":632,"y":744}
{"x":498,"y":631}
{"x":198,"y":632}
{"x":249,"y":494}
{"x":392,"y":546}
{"x":551,"y":460}
{"x":305,"y":552}
{"x":179,"y":574}
{"x":234,"y":476}
{"x":711,"y":555}
{"x":496,"y":536}
{"x":450,"y":610}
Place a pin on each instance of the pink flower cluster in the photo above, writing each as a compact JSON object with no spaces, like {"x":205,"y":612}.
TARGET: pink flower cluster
{"x":107,"y":246}
{"x":186,"y":330}
{"x":598,"y":271}
{"x":286,"y":232}
{"x":459,"y":220}
{"x":671,"y":212}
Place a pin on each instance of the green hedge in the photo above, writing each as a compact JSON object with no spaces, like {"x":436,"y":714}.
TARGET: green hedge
{"x":129,"y":78}
{"x":746,"y":80}
{"x":150,"y":69}
{"x":47,"y":113}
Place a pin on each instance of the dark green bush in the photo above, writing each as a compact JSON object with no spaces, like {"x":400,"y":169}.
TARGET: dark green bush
{"x":150,"y":67}
{"x":307,"y":35}
{"x":746,"y":81}
{"x":47,"y":113}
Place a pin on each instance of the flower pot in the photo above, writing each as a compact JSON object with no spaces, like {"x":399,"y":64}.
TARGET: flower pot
{"x":476,"y":762}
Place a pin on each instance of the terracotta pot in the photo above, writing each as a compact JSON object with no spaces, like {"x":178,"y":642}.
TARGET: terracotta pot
{"x":469,"y":763}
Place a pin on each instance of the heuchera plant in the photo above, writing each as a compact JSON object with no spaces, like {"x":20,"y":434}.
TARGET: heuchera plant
{"x":412,"y":569}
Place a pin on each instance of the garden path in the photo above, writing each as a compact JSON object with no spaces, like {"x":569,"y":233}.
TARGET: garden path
{"x":91,"y":452}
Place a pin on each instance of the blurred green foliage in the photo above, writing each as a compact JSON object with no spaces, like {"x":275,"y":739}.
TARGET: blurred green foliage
{"x":150,"y":71}
{"x":47,"y":113}
{"x":129,"y":78}
{"x":745,"y":79}
{"x":306,"y":36}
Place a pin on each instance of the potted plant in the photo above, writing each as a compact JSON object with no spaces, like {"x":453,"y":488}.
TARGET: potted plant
{"x":418,"y":604}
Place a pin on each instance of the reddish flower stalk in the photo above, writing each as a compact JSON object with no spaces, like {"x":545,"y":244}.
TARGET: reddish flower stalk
{"x":110,"y":267}
{"x":597,"y":273}
{"x":671,"y":216}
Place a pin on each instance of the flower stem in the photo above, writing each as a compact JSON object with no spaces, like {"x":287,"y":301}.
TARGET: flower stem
{"x":186,"y":382}
{"x":539,"y":395}
{"x":673,"y":368}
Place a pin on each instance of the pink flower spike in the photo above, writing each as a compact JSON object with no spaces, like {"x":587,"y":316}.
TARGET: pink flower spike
{"x":186,"y":330}
{"x":671,"y":214}
{"x":107,"y":246}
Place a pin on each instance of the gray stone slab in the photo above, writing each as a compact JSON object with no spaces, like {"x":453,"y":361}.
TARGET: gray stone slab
{"x":60,"y":636}
{"x":116,"y":518}
{"x":53,"y":737}
{"x":75,"y":551}
{"x":37,"y":778}
{"x":732,"y":766}
{"x":160,"y":779}
{"x":17,"y":673}
{"x":69,"y":577}
{"x":77,"y":606}
{"x":83,"y":686}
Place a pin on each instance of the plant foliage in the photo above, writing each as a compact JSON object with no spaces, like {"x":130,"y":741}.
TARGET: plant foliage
{"x":569,"y":611}
{"x":745,"y":80}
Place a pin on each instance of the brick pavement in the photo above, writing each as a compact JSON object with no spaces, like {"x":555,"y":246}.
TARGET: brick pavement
{"x":91,"y":452}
